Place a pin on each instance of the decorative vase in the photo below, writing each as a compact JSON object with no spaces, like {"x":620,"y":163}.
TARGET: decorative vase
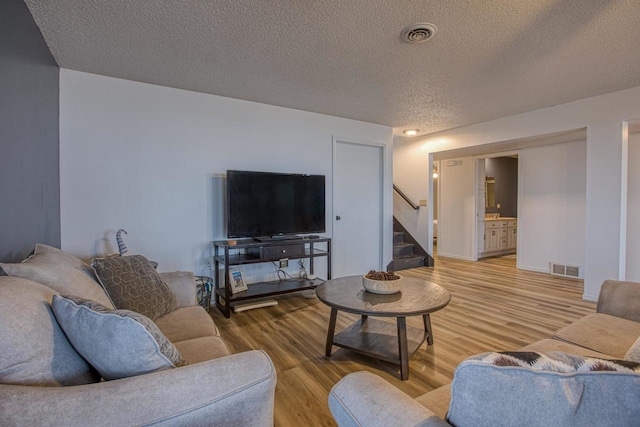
{"x":122,"y":248}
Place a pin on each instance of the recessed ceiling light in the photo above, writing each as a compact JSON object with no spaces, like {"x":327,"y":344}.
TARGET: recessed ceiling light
{"x":418,"y":33}
{"x":411,"y":132}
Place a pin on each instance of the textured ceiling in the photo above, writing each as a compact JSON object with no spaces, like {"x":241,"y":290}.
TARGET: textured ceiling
{"x":489,"y":58}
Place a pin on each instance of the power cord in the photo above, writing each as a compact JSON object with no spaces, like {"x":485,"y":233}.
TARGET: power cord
{"x":282,"y":275}
{"x":303,"y":269}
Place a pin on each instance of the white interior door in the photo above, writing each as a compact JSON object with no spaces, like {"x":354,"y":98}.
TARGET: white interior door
{"x":357,"y":208}
{"x":456,"y":222}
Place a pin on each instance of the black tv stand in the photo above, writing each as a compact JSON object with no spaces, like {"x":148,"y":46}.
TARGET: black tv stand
{"x":254,"y":251}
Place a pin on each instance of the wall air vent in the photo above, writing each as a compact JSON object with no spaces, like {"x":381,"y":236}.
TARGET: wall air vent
{"x":571,"y":271}
{"x":418,"y":33}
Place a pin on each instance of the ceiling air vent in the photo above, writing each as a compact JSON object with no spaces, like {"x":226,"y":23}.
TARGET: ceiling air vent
{"x":563,"y":270}
{"x":418,"y":33}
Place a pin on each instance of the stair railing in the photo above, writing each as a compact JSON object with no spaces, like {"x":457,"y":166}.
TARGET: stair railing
{"x":406,"y":198}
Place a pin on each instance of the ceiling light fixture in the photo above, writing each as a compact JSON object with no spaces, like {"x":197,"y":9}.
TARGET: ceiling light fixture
{"x":418,"y":33}
{"x":411,"y":132}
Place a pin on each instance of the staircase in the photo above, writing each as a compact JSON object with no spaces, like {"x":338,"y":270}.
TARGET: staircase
{"x":403,"y":255}
{"x":407,"y":254}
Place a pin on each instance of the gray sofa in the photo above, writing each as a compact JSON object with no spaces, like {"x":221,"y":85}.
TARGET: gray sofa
{"x":555,"y":389}
{"x":36,"y":361}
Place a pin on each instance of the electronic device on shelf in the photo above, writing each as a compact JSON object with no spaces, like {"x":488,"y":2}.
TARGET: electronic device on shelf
{"x":267,"y":205}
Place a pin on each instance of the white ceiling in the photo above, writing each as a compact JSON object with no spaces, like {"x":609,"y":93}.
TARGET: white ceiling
{"x":489,"y":58}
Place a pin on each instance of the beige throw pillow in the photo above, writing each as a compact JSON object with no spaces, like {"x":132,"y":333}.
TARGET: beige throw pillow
{"x":133,"y":284}
{"x":35,"y":350}
{"x":59,"y":271}
{"x":59,"y":256}
{"x":117,"y":343}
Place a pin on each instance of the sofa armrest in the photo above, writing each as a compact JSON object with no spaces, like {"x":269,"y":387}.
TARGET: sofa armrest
{"x":183,"y":285}
{"x":364,"y":399}
{"x":620,"y":299}
{"x":234,"y":390}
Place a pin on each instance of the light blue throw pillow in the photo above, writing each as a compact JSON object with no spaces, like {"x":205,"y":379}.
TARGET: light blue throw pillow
{"x":117,"y":343}
{"x":551,"y":389}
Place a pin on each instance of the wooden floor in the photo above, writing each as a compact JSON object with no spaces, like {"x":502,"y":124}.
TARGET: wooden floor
{"x":494,"y":307}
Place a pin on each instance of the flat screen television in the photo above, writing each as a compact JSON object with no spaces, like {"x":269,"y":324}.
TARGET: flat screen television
{"x":273,"y":205}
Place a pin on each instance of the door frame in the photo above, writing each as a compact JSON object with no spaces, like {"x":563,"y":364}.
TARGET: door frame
{"x":477,"y":214}
{"x":382,"y":147}
{"x":431,"y":201}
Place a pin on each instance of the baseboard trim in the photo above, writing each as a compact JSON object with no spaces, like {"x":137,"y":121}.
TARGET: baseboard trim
{"x":536,"y":269}
{"x":455,"y":256}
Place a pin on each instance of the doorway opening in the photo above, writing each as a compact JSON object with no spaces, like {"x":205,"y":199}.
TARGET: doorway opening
{"x":551,"y":199}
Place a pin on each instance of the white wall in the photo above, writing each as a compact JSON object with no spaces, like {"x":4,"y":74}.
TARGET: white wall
{"x":633,"y":212}
{"x":552,"y":220}
{"x":152,"y":160}
{"x":602,"y":116}
{"x":604,"y":225}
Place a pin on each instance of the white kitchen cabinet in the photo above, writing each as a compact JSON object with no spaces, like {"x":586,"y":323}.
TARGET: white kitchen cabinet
{"x":491,"y":239}
{"x":500,"y":235}
{"x":503,"y":239}
{"x":512,"y":237}
{"x":493,"y":235}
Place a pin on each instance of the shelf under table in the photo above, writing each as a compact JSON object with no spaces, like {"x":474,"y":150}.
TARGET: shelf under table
{"x":265,"y":289}
{"x":379,"y":339}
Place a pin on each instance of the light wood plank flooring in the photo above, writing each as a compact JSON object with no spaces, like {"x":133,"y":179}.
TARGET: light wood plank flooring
{"x":494,"y":307}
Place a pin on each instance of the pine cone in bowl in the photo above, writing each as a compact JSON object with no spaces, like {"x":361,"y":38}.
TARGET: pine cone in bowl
{"x":380,"y":282}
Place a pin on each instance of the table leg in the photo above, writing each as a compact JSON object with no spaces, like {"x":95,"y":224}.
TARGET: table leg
{"x":427,"y":329}
{"x":402,"y":344}
{"x":330,"y":332}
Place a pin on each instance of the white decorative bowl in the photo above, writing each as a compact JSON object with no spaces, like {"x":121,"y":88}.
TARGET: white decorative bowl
{"x":383,"y":287}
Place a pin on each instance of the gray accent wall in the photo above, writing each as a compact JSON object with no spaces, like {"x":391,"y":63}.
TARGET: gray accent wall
{"x":505,"y":171}
{"x":29,"y":136}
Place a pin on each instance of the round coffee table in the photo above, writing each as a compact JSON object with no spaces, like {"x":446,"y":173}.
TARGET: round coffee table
{"x":377,"y":338}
